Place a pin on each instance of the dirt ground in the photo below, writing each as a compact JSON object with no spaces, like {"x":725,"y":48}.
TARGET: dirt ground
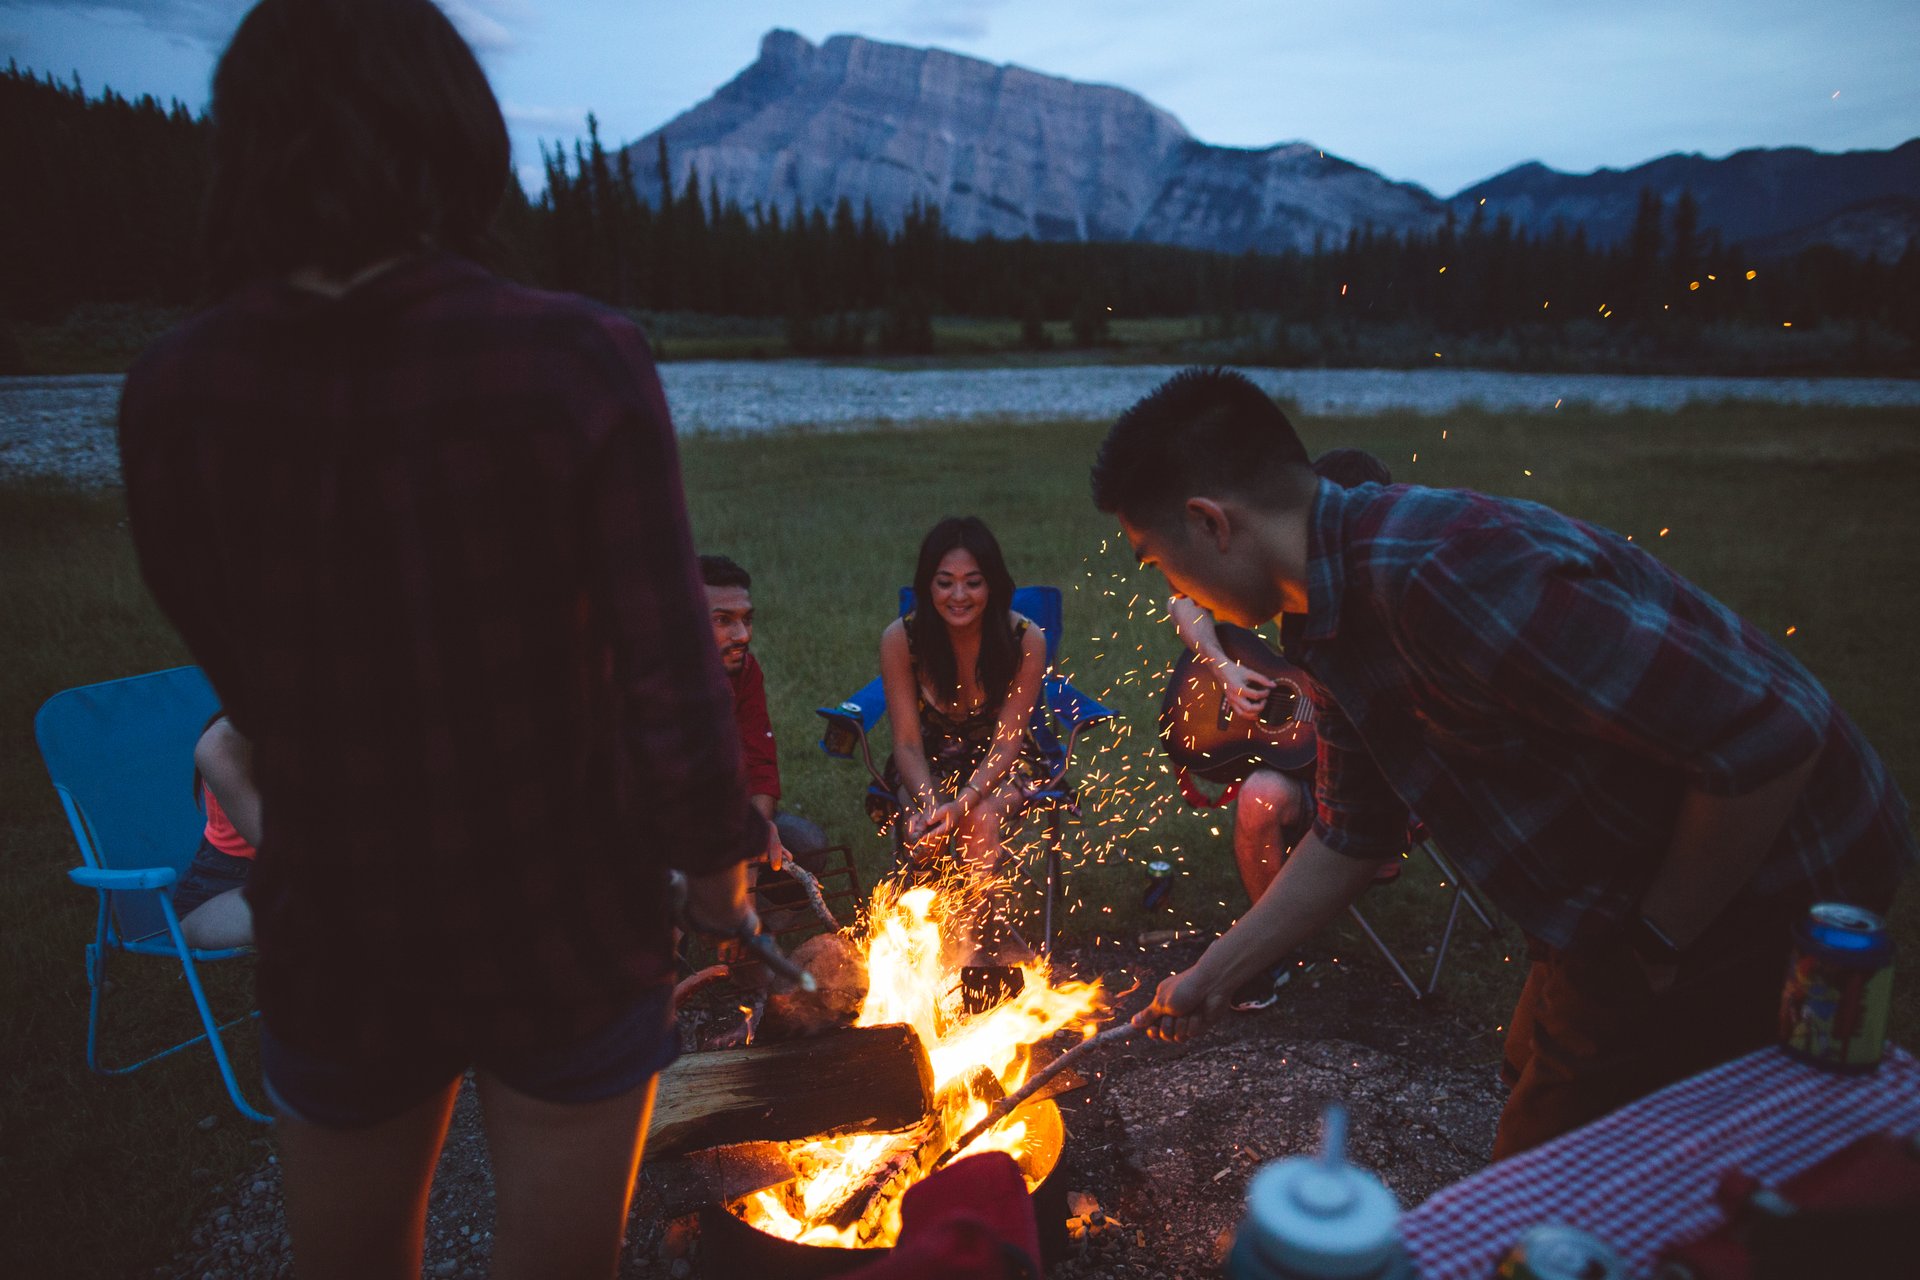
{"x":1162,"y":1141}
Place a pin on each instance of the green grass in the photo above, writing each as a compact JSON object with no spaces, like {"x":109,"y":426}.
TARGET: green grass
{"x":1799,"y":518}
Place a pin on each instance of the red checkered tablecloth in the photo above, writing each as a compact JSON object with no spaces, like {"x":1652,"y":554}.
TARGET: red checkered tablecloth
{"x":1643,"y":1178}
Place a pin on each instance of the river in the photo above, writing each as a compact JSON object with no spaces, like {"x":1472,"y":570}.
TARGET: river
{"x":64,"y":426}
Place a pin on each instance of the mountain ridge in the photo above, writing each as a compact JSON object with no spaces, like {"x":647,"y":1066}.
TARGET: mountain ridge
{"x":1008,"y":151}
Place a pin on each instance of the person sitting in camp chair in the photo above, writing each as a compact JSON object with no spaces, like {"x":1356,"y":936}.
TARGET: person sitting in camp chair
{"x":962,"y":673}
{"x":209,"y":898}
{"x":790,"y":837}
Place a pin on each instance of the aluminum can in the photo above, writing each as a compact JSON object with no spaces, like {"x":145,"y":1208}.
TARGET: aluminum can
{"x":1159,"y":892}
{"x":1839,"y":988}
{"x":1554,"y":1252}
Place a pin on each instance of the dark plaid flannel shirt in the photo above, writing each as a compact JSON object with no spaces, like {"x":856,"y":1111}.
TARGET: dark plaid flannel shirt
{"x":1542,"y":693}
{"x":429,"y":543}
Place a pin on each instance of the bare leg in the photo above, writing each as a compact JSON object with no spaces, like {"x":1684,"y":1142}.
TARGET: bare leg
{"x":1268,"y":804}
{"x":224,"y":920}
{"x":981,"y":853}
{"x":563,"y":1180}
{"x":357,"y":1198}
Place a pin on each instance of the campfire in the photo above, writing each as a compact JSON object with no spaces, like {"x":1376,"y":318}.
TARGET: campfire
{"x":847,"y":1190}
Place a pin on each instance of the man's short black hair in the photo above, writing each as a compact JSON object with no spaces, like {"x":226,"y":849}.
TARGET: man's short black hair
{"x":1202,"y":432}
{"x":1350,"y":468}
{"x":721,"y":571}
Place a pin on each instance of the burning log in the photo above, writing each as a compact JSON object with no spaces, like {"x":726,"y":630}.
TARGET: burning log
{"x":1006,"y":1106}
{"x":914,"y":1153}
{"x":904,"y":1156}
{"x":861,"y":1078}
{"x":714,"y":1176}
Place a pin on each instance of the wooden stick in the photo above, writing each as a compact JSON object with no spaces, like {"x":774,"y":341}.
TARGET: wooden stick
{"x":1002,"y":1109}
{"x":811,"y":884}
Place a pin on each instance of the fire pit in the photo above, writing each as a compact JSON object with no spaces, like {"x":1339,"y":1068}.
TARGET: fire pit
{"x":732,"y":1247}
{"x":843,"y":1204}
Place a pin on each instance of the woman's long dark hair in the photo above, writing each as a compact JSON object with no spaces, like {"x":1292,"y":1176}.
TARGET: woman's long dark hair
{"x":999,"y":654}
{"x":345,"y":132}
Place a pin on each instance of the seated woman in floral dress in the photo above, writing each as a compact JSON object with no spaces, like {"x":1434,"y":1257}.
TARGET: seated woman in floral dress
{"x":962,"y":673}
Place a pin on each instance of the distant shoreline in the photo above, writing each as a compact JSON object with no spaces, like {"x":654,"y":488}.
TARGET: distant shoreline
{"x":62,"y":427}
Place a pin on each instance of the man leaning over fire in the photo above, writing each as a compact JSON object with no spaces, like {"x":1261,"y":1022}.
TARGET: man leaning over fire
{"x":1654,"y":790}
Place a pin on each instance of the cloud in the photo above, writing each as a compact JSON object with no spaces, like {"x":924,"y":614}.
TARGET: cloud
{"x":947,"y":19}
{"x":488,"y":25}
{"x":203,"y":22}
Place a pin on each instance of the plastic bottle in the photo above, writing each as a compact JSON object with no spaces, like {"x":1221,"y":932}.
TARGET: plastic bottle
{"x":1319,"y":1218}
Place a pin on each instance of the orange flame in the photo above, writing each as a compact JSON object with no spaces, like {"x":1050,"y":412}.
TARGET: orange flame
{"x":912,"y":979}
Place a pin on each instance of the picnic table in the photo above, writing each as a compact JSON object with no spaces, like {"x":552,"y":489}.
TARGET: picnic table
{"x":1643,"y":1178}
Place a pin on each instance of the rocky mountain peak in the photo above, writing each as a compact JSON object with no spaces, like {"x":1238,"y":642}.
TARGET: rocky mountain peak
{"x":1007,"y":151}
{"x":1003,"y":150}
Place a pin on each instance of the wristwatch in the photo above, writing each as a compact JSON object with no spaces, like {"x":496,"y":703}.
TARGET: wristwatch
{"x":1651,"y":944}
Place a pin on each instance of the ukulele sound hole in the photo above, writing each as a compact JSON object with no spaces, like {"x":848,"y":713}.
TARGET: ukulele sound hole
{"x":1282,"y":703}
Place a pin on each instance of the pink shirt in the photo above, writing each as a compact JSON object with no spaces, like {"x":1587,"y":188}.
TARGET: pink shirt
{"x":220,"y":832}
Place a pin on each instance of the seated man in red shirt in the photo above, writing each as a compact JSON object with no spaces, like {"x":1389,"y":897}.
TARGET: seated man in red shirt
{"x":730,"y":608}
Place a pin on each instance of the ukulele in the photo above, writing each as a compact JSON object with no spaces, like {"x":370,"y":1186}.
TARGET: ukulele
{"x":1202,"y":734}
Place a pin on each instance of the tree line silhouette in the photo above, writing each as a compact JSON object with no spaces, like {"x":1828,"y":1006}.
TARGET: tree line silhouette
{"x":102,"y":194}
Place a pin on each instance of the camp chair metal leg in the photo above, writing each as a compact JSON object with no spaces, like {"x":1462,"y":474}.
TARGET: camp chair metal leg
{"x":97,"y":952}
{"x":1054,"y":836}
{"x":96,"y":985}
{"x":1446,"y":936}
{"x":1393,"y":962}
{"x":1473,"y":901}
{"x":212,"y":1036}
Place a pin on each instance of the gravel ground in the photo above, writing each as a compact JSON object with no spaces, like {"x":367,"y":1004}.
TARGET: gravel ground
{"x":1161,"y":1143}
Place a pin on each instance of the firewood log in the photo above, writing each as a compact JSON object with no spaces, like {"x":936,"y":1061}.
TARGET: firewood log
{"x":857,"y":1079}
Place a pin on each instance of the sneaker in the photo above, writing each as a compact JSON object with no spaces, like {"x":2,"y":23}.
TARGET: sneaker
{"x":1262,"y":991}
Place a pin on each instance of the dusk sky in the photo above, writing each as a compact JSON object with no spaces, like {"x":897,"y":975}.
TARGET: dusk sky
{"x":1443,"y":93}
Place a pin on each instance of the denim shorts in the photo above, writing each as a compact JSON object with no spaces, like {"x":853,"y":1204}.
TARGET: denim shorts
{"x":338,"y":1094}
{"x":210,"y":874}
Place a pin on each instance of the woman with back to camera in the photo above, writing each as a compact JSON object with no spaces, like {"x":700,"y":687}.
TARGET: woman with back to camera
{"x":962,"y":674}
{"x":424,"y":531}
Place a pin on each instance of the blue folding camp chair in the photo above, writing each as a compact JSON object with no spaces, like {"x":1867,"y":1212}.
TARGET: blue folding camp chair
{"x":1063,"y":709}
{"x":121,"y":758}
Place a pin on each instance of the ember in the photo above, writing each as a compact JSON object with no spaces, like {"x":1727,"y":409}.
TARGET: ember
{"x":848,"y":1190}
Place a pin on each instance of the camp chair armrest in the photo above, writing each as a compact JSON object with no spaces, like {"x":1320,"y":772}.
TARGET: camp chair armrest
{"x":850,"y":722}
{"x":134,"y":878}
{"x":1074,"y":711}
{"x":1072,"y":708}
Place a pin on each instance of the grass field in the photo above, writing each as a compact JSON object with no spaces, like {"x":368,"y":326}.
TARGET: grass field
{"x":1797,"y":518}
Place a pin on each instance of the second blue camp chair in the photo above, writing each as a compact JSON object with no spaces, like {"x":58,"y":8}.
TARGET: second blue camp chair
{"x":1064,"y":710}
{"x":121,"y":758}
